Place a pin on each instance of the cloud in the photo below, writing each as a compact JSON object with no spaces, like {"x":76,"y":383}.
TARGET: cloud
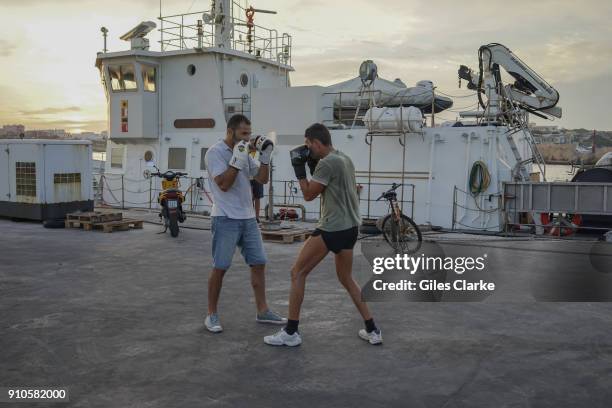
{"x":50,"y":110}
{"x":6,"y":48}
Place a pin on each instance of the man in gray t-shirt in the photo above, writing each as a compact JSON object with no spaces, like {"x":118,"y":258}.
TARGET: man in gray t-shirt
{"x":333,"y":178}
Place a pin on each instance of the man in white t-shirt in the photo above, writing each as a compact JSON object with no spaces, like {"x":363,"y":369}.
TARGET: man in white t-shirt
{"x":233,"y":222}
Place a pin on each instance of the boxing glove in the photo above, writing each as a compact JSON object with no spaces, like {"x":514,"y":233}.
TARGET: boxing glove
{"x":264,"y":146}
{"x":299,"y":156}
{"x":240,"y":156}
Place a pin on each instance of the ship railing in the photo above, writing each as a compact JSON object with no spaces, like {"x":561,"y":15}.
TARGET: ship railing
{"x":188,"y":31}
{"x":349,"y":115}
{"x":462,"y":209}
{"x":121,"y":192}
{"x":557,"y":208}
{"x":236,"y":102}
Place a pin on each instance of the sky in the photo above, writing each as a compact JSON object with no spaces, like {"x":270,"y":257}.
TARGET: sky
{"x":48,"y":49}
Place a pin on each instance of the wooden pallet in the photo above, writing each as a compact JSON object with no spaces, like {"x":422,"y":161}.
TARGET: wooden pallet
{"x":286,"y":236}
{"x":94,"y":217}
{"x":108,"y":226}
{"x":122,"y":225}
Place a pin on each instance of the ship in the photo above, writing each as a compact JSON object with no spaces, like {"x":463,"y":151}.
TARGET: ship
{"x":169,"y":106}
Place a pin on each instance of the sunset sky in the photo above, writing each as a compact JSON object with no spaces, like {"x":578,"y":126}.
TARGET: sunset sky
{"x":48,"y":48}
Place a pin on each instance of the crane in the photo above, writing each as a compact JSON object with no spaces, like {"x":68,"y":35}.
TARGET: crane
{"x":530,"y":92}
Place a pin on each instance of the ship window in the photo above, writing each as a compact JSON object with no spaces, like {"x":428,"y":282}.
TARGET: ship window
{"x":176,"y":158}
{"x":25,"y":179}
{"x":117,"y":157}
{"x":122,"y":77}
{"x":203,"y":158}
{"x":191,"y":69}
{"x":148,"y":78}
{"x":244,"y":80}
{"x":148,"y":156}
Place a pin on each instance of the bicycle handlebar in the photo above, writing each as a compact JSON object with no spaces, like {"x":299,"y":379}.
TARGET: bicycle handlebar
{"x":394,"y":187}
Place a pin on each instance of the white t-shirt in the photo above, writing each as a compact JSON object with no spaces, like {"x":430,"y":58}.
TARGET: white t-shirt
{"x":237,"y":202}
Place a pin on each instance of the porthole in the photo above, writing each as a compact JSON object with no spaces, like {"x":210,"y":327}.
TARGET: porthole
{"x":244,"y":80}
{"x":148,"y":156}
{"x":191,"y":69}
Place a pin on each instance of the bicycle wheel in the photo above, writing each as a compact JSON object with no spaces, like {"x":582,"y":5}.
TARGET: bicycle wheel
{"x":404,"y":235}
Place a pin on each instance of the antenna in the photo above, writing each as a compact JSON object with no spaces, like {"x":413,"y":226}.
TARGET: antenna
{"x":137,"y":35}
{"x":104,"y":34}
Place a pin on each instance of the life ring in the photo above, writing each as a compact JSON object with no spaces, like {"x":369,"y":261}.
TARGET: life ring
{"x":560,"y":227}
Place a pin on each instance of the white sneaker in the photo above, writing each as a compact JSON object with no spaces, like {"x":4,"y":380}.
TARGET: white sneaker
{"x":212,"y":323}
{"x":281,"y":338}
{"x":374,"y":337}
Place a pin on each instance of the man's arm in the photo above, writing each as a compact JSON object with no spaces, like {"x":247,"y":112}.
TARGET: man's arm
{"x":311,"y":189}
{"x":263,"y":174}
{"x":225,"y":180}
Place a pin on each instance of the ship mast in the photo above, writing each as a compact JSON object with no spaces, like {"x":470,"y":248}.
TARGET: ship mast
{"x":223,"y":19}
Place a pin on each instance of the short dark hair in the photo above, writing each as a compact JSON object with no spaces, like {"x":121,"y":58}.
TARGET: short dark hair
{"x":318,"y":132}
{"x":235,"y":121}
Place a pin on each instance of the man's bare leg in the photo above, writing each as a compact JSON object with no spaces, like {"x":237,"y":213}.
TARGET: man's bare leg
{"x":215,"y":281}
{"x":344,"y":271}
{"x":313,"y":251}
{"x":258,"y":281}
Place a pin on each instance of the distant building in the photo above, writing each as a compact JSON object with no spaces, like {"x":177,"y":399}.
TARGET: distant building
{"x":47,"y":134}
{"x":11,"y":131}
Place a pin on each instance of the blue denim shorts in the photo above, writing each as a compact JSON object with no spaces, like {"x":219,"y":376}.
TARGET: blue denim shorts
{"x":229,"y":233}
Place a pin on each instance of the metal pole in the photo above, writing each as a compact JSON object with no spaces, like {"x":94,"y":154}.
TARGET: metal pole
{"x":191,"y":193}
{"x":150,"y":191}
{"x":370,"y":175}
{"x":271,"y":194}
{"x":122,"y":194}
{"x":433,"y":106}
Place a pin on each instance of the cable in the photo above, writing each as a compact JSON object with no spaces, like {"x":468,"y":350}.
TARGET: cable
{"x":456,"y":96}
{"x":480,"y":178}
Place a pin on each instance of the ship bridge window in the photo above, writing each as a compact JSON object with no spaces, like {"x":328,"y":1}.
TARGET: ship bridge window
{"x":148,"y":78}
{"x":122,"y":77}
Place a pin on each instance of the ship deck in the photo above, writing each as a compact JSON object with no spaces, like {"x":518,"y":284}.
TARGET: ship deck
{"x":118,"y":320}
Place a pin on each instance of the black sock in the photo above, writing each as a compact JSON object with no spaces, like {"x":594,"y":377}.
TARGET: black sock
{"x":370,"y":326}
{"x":292,"y":326}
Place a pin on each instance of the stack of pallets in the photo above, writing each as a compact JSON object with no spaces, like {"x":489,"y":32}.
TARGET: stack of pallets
{"x":107,"y":222}
{"x":286,"y":236}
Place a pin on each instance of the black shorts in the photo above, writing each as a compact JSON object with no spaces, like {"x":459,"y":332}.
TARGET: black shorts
{"x":257,"y":189}
{"x":336,"y":241}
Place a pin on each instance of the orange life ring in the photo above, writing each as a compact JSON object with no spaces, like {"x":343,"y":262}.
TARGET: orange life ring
{"x":250,"y":14}
{"x":558,"y":230}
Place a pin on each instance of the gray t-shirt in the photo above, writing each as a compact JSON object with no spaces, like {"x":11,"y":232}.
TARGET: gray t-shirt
{"x":237,"y":202}
{"x":339,"y":200}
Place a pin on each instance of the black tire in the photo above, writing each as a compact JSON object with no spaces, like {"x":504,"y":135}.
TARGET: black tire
{"x":60,"y":223}
{"x":174,"y":227}
{"x":404,"y":237}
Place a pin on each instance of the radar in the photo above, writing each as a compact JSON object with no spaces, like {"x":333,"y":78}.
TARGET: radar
{"x":136,"y":35}
{"x":368,"y":72}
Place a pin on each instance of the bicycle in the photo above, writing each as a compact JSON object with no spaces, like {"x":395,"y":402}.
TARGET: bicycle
{"x":399,"y":230}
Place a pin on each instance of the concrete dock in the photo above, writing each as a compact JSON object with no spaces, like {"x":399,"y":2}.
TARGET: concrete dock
{"x":118,"y":320}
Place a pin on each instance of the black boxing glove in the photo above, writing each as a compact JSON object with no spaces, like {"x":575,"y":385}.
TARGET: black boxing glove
{"x":299,"y":156}
{"x":312,"y":164}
